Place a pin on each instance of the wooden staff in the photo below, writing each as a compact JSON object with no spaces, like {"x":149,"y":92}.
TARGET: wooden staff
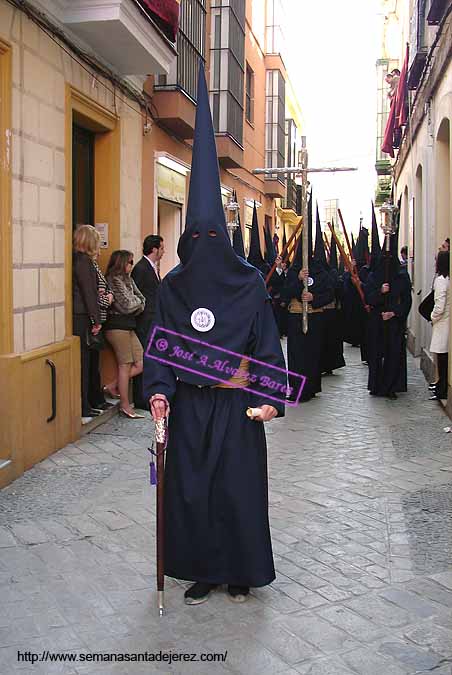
{"x":293,"y":248}
{"x":283,"y":252}
{"x":348,"y":264}
{"x":350,"y":252}
{"x":160,"y":444}
{"x":327,"y":246}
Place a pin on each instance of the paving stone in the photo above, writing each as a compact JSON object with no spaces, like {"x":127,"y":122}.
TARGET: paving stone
{"x":409,"y":655}
{"x":376,"y":609}
{"x":410,"y":602}
{"x":30,"y":534}
{"x":362,"y":629}
{"x":365,"y":661}
{"x":318,"y":632}
{"x":6,"y":538}
{"x":444,"y":579}
{"x":432,"y":636}
{"x":325,"y":666}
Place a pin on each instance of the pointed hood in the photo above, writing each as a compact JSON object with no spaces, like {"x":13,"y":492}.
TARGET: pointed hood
{"x":333,"y":252}
{"x":375,"y":241}
{"x":297,"y":260}
{"x":284,"y":240}
{"x":210,"y":276}
{"x":362,"y":248}
{"x":237,"y":239}
{"x":255,"y":256}
{"x":319,"y":250}
{"x":310,"y":239}
{"x":270,"y":251}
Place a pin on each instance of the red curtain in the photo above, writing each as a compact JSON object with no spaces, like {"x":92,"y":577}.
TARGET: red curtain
{"x":402,"y":90}
{"x":166,"y":14}
{"x":398,"y":113}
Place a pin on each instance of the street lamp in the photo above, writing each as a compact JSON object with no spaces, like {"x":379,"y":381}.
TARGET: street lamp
{"x":388,"y":211}
{"x":232,"y":216}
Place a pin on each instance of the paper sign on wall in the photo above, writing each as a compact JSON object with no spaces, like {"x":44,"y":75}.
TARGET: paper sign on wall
{"x":102,"y":228}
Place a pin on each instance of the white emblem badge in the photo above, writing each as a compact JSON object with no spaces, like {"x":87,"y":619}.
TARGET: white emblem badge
{"x":202,"y":319}
{"x":310,"y":281}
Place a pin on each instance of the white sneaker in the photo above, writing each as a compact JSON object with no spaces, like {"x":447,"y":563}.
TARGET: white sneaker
{"x":87,"y":420}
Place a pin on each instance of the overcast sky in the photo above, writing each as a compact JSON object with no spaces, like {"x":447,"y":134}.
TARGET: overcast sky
{"x":332,"y":47}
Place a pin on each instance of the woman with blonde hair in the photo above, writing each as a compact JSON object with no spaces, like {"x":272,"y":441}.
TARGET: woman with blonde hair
{"x":85,"y":306}
{"x":120,"y":327}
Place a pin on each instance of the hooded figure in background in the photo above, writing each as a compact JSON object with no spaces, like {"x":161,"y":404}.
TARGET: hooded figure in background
{"x":216,"y":497}
{"x":276,"y":281}
{"x":304,"y":352}
{"x":237,"y":239}
{"x":333,"y":353}
{"x":354,"y":312}
{"x":255,"y":255}
{"x":388,"y":292}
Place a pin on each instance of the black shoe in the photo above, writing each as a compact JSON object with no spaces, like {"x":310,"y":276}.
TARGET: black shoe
{"x":432,"y":387}
{"x":198,"y":593}
{"x":238,"y":593}
{"x":95,"y":412}
{"x":392,"y":396}
{"x":433,"y":398}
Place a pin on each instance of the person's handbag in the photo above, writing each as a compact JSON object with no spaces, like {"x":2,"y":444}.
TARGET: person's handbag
{"x":95,"y":342}
{"x":426,"y":306}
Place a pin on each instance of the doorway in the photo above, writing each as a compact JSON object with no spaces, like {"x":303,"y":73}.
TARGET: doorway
{"x":82,"y":176}
{"x":170,"y":228}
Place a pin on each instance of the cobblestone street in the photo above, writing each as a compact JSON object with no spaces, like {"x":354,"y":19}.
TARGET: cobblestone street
{"x":361,"y":506}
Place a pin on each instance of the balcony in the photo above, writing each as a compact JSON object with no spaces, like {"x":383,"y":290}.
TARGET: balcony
{"x":275,"y":188}
{"x":290,"y":198}
{"x":417,"y":66}
{"x":175,"y":111}
{"x":383,"y":192}
{"x":436,"y":12}
{"x":383,"y":167}
{"x":123,"y":33}
{"x":230,"y":153}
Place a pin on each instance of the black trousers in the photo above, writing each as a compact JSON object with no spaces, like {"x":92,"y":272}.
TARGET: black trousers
{"x":81,"y":323}
{"x":95,"y":394}
{"x":443,"y":368}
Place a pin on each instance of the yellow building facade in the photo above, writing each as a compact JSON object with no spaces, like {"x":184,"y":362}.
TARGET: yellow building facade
{"x":50,"y":99}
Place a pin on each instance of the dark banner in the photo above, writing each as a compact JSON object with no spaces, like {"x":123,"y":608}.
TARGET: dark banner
{"x":166,"y":15}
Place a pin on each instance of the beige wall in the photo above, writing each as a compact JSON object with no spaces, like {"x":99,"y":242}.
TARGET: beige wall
{"x":40,"y":72}
{"x":434,"y":217}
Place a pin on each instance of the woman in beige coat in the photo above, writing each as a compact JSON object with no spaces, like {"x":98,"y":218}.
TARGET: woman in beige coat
{"x":440,"y":320}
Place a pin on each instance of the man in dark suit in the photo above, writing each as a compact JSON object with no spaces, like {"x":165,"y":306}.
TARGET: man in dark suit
{"x":146,"y":275}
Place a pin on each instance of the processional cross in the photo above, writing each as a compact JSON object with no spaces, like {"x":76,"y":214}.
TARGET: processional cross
{"x":303,"y":171}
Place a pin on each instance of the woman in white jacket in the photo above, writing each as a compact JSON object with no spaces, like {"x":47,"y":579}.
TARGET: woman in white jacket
{"x":440,"y":320}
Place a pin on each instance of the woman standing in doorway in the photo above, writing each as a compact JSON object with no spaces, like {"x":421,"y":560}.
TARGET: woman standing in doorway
{"x":440,"y":320}
{"x":85,"y":307}
{"x":120,"y":327}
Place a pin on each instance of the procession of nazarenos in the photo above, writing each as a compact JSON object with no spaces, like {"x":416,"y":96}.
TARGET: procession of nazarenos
{"x":212,"y":502}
